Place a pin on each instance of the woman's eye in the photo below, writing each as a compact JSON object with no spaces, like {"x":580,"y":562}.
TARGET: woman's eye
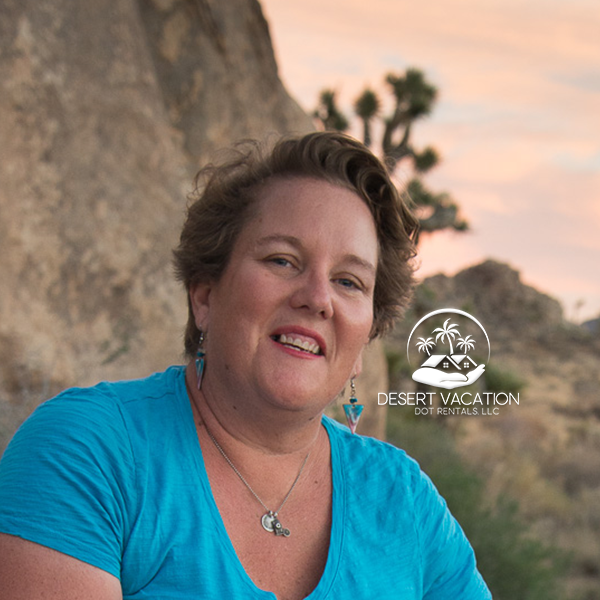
{"x":348,"y":283}
{"x":279,"y":260}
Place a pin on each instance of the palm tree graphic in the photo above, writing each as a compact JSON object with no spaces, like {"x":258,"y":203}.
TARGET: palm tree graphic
{"x":425,"y":344}
{"x":466,"y":343}
{"x":446,"y":333}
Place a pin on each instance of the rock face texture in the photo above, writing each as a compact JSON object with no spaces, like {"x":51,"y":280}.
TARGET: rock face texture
{"x":216,"y":71}
{"x":106,"y":109}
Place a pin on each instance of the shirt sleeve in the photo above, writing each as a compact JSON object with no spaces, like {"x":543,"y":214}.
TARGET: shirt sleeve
{"x":66,"y":479}
{"x":448,"y":560}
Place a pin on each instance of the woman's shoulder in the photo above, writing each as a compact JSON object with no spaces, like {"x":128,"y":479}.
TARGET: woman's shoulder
{"x":109,"y":397}
{"x":363,"y":444}
{"x":85,"y":448}
{"x":376,"y":458}
{"x":105,"y":415}
{"x":153,"y":387}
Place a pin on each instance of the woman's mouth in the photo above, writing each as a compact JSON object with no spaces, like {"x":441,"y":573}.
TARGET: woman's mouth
{"x":298,"y":342}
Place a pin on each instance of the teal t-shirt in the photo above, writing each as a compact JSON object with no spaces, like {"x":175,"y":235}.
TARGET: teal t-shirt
{"x":113,"y":475}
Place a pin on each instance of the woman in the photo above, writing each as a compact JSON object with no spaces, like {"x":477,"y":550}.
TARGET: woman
{"x":223,"y":479}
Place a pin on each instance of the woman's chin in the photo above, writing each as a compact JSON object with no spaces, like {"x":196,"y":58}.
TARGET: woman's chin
{"x":297,"y":399}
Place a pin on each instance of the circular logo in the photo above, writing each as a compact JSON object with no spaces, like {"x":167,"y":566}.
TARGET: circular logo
{"x":449,"y":345}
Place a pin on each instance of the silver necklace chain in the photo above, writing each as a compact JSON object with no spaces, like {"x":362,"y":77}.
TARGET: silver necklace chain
{"x":269,"y":520}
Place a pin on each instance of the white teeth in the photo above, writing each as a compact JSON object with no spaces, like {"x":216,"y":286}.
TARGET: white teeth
{"x":313,"y":348}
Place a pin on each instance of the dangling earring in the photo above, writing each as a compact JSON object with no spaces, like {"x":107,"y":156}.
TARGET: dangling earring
{"x":200,"y":354}
{"x":353,"y":410}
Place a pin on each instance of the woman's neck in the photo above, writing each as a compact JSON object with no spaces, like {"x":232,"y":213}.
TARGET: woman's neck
{"x":269,"y":431}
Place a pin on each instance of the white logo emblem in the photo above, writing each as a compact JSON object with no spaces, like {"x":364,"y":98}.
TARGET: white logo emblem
{"x":447,"y":362}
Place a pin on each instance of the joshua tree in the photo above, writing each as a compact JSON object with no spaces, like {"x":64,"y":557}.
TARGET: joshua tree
{"x":328,"y":113}
{"x":425,"y":344}
{"x":466,"y":343}
{"x":414,"y":98}
{"x":367,"y":107}
{"x":446,"y":333}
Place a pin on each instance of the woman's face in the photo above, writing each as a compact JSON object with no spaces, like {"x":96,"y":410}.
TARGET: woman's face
{"x":289,"y":318}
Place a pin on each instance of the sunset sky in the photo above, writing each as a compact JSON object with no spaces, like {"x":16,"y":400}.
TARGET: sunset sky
{"x":517,"y":121}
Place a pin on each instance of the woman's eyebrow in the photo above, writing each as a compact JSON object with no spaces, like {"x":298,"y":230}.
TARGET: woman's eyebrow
{"x":288,"y":239}
{"x":296,"y":243}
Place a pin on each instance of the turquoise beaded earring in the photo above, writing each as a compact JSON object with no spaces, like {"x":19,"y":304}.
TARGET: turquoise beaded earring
{"x":353,"y":410}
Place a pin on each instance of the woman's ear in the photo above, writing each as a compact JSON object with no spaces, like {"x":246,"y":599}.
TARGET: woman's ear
{"x":200,"y":303}
{"x":357,"y":370}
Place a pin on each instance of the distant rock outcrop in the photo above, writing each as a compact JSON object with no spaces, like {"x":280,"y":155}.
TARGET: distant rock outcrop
{"x":494,"y":293}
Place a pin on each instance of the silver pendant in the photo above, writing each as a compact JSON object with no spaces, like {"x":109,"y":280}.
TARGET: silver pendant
{"x":271,"y":523}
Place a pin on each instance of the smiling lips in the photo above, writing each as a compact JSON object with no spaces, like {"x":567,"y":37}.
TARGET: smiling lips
{"x":299,"y":342}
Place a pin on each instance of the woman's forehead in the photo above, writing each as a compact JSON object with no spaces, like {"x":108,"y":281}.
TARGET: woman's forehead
{"x":310,"y":211}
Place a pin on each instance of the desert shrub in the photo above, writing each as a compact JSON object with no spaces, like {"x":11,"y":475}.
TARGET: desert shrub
{"x":500,"y":380}
{"x":514,"y":565}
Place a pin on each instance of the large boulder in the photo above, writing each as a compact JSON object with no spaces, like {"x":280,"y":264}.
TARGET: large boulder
{"x":101,"y":135}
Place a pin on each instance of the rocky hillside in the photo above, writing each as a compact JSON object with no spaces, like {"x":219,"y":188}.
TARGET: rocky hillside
{"x":106,"y":109}
{"x":545,"y":452}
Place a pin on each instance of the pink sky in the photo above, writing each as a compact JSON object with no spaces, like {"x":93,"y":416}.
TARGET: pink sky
{"x":517,"y":121}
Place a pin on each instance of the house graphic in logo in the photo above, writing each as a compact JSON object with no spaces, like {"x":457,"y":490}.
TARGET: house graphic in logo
{"x":457,"y":363}
{"x":450,"y":369}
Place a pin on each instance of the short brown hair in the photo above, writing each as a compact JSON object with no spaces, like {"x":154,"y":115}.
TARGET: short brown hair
{"x":225,"y":197}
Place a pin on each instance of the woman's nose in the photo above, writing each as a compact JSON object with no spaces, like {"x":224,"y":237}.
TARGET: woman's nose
{"x":314,"y":293}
